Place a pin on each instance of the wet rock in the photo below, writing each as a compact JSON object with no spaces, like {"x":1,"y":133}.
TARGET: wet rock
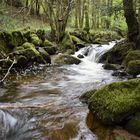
{"x":117,"y":54}
{"x":51,"y":50}
{"x":80,"y":56}
{"x":132,"y":55}
{"x":69,"y":52}
{"x":119,"y":73}
{"x":133,"y":125}
{"x":110,"y":67}
{"x":66,"y":59}
{"x":45,"y":55}
{"x":133,"y":67}
{"x":116,"y":102}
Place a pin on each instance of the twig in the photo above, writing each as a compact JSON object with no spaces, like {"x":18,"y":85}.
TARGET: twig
{"x":14,"y":62}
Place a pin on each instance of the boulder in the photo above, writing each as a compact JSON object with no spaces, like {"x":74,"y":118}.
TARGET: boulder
{"x":34,"y":39}
{"x":116,"y":102}
{"x":117,"y":54}
{"x":27,"y":55}
{"x":45,"y":55}
{"x":47,"y":43}
{"x":18,"y":38}
{"x":110,"y":66}
{"x":51,"y":50}
{"x":62,"y":59}
{"x":132,"y":55}
{"x":133,"y":67}
{"x":80,"y":56}
{"x":67,"y":43}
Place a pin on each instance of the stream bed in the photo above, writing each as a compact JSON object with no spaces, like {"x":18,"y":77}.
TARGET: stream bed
{"x":44,"y":104}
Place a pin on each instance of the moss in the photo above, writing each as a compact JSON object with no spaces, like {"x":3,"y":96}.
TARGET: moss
{"x":133,"y":67}
{"x":67,"y":43}
{"x":76,"y":40}
{"x":115,"y":102}
{"x":6,"y":44}
{"x":18,"y":38}
{"x":117,"y":54}
{"x":86,"y":96}
{"x":132,"y":55}
{"x":51,"y":50}
{"x":45,"y":55}
{"x":40,"y":33}
{"x":47,"y":43}
{"x":35,"y":39}
{"x":66,"y":59}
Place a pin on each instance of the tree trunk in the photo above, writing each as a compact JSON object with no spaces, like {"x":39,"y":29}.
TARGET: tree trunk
{"x":131,"y":20}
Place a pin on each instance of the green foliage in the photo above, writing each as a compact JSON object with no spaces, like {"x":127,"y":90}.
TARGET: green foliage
{"x":115,"y":102}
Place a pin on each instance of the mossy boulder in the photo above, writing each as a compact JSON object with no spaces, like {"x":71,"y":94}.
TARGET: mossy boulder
{"x":47,"y":43}
{"x":116,"y":102}
{"x":67,"y":43}
{"x":18,"y":38}
{"x":117,"y":54}
{"x":62,"y":59}
{"x":27,"y":55}
{"x":132,"y":55}
{"x":6,"y":42}
{"x":45,"y":55}
{"x":133,"y":67}
{"x":51,"y":50}
{"x":35,"y":39}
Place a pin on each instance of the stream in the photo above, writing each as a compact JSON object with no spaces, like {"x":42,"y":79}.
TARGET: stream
{"x":44,"y":104}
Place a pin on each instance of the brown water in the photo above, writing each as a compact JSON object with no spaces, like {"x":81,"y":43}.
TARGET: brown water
{"x":44,"y":103}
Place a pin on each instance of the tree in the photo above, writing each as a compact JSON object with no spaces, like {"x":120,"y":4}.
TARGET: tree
{"x":131,"y":20}
{"x":58,"y":12}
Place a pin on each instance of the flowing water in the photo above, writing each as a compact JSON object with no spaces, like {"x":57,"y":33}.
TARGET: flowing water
{"x":44,"y":104}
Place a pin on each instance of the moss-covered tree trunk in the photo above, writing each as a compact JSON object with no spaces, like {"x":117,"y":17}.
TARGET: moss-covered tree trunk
{"x":132,"y":23}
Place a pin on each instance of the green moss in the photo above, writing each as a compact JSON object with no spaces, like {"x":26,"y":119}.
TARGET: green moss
{"x":35,"y":39}
{"x":133,"y":67}
{"x":47,"y":43}
{"x":18,"y":38}
{"x":67,"y":43}
{"x":132,"y":55}
{"x":76,"y":40}
{"x":51,"y":50}
{"x":115,"y":102}
{"x":44,"y":55}
{"x":117,"y":54}
{"x":66,"y":59}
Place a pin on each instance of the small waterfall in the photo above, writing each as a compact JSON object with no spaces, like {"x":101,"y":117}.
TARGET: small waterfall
{"x":94,"y":52}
